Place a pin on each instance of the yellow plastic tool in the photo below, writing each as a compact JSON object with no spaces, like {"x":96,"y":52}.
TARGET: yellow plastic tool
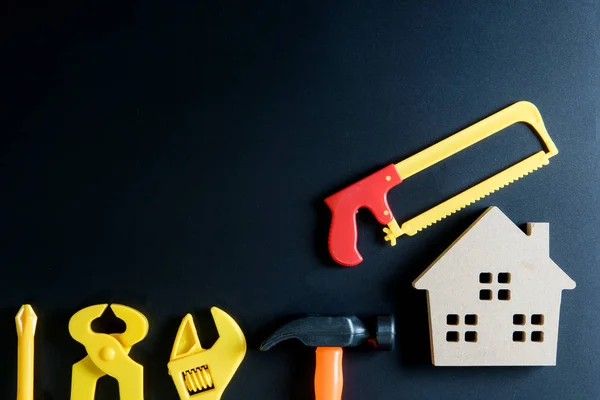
{"x":522,"y":111}
{"x":108,"y":354}
{"x":371,"y":192}
{"x":203,"y":374}
{"x":26,"y":322}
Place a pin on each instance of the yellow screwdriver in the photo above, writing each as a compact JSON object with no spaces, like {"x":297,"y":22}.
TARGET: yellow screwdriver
{"x":26,"y":321}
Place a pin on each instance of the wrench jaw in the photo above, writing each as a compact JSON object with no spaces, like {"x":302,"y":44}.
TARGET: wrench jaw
{"x":203,"y":374}
{"x":190,"y":378}
{"x":231,"y":338}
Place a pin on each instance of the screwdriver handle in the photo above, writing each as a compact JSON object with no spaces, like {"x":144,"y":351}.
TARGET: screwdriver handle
{"x":26,"y":322}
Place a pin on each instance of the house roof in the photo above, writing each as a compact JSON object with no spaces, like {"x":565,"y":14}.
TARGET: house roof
{"x":492,"y":232}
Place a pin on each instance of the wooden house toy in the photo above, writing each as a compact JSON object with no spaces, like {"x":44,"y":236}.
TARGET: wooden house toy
{"x":494,"y":296}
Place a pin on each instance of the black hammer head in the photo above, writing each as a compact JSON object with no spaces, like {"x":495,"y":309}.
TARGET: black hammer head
{"x":323,"y":331}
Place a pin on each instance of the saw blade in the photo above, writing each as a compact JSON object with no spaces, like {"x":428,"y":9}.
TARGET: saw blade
{"x":474,"y":193}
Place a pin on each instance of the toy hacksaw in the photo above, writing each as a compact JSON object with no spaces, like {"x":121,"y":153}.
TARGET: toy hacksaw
{"x":371,"y":192}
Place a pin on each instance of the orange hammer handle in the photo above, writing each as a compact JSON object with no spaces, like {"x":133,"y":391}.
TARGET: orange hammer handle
{"x":329,"y":377}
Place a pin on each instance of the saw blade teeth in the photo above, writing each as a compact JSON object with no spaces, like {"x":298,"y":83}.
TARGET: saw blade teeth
{"x":480,"y":196}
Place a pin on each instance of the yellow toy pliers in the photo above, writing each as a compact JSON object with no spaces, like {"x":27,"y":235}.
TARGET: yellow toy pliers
{"x":108,"y":354}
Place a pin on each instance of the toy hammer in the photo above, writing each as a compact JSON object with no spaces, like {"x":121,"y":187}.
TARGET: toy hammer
{"x":329,"y":335}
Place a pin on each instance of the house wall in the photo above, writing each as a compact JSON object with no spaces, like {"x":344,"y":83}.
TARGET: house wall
{"x":493,"y":342}
{"x":497,"y":273}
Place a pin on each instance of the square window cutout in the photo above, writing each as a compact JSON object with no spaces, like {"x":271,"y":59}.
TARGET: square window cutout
{"x":452,"y":319}
{"x":485,"y":277}
{"x":504,"y":277}
{"x":452,"y":336}
{"x":537,"y":336}
{"x":504,"y":294}
{"x":485,"y":294}
{"x":471,"y":319}
{"x":471,"y":336}
{"x":518,"y":319}
{"x":518,"y":336}
{"x":537,"y":319}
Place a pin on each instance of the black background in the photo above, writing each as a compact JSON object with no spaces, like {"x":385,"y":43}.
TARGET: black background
{"x":172,"y":156}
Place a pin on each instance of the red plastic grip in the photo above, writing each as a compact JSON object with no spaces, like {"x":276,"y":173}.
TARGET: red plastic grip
{"x":370,"y":192}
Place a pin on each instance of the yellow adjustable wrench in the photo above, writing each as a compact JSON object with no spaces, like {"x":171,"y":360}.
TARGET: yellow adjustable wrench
{"x":203,"y":374}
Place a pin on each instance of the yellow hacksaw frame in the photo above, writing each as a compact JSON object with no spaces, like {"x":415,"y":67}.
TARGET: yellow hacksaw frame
{"x":522,"y":111}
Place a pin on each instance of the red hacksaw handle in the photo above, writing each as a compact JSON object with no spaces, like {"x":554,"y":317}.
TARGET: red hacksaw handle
{"x":370,"y":192}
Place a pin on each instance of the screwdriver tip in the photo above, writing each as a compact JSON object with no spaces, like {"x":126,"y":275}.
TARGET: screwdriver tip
{"x":26,"y":320}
